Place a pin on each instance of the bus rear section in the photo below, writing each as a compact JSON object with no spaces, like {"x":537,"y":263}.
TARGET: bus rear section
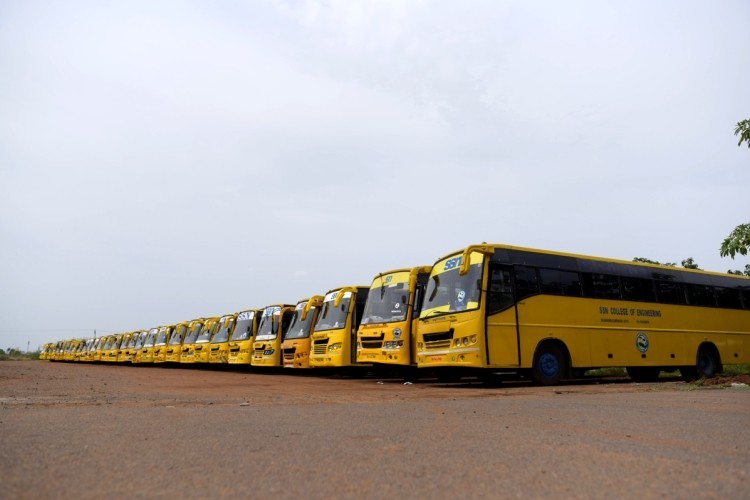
{"x":274,"y":321}
{"x":334,"y":337}
{"x":296,"y":345}
{"x":552,"y":315}
{"x":219,"y":353}
{"x":241,"y":340}
{"x":386,"y":335}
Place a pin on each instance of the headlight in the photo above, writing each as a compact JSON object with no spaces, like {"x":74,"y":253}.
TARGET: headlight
{"x":473,"y":339}
{"x":466,"y":341}
{"x":335,"y":347}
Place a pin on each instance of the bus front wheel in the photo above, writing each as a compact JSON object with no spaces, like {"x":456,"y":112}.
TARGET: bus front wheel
{"x":550,"y":365}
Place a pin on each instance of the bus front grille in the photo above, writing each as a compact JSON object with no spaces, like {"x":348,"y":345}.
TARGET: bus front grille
{"x":372,"y":342}
{"x":440,"y":340}
{"x":320,"y":346}
{"x":289,"y":353}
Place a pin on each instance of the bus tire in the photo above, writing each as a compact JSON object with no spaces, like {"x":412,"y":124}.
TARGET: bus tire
{"x":707,"y":363}
{"x":550,"y":365}
{"x":643,"y":373}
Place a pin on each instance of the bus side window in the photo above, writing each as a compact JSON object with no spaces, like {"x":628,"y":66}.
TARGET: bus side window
{"x":500,"y":295}
{"x":418,"y":298}
{"x":527,"y":282}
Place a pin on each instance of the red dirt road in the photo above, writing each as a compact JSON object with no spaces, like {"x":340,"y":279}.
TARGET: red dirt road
{"x":88,"y":431}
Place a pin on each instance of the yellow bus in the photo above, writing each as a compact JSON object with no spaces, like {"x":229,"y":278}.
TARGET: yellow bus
{"x":187,"y":354}
{"x":203,"y":341}
{"x":552,"y":315}
{"x":242,"y":337}
{"x":219,"y":352}
{"x":125,"y":353}
{"x":109,"y":349}
{"x":80,"y":352}
{"x":274,"y":321}
{"x":146,"y":354}
{"x":46,"y":350}
{"x":57,"y":351}
{"x":174,"y":347}
{"x":334,"y":337}
{"x":99,"y":346}
{"x":162,"y":341}
{"x":296,"y":345}
{"x":88,"y":353}
{"x":138,"y":346}
{"x":387,"y":333}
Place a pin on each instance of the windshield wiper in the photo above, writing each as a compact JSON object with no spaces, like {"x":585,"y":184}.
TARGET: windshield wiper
{"x":436,"y":312}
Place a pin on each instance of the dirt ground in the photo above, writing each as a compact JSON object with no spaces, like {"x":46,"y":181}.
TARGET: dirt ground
{"x":71,"y":430}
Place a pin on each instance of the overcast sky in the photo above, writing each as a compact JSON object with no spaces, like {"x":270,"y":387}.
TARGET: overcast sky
{"x":162,"y":161}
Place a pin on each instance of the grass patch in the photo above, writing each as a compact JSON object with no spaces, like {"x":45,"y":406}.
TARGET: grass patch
{"x":736,"y":370}
{"x":613,"y":371}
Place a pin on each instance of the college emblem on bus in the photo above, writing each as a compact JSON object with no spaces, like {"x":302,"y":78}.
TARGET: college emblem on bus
{"x":641,"y":342}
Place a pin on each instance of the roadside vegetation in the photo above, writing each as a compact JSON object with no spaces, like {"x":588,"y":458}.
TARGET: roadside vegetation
{"x":733,"y":375}
{"x":16,"y":354}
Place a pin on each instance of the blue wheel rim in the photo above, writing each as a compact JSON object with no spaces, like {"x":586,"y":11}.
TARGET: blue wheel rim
{"x":549,"y":365}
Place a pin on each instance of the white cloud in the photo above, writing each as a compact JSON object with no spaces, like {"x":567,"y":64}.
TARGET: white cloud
{"x":160,"y":162}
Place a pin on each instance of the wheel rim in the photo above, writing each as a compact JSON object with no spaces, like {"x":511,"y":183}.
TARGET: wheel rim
{"x":549,"y":365}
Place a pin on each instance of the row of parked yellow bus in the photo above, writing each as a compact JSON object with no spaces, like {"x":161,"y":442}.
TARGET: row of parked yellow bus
{"x":487,"y":310}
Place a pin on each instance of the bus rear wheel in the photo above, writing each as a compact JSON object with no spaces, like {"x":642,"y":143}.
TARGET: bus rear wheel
{"x":707,"y":362}
{"x":550,"y":365}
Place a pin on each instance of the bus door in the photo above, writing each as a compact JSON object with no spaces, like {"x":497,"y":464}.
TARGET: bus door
{"x":502,"y":320}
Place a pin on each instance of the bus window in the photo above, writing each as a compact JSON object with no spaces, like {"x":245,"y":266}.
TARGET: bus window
{"x":701,"y":295}
{"x":601,"y":286}
{"x":638,"y":289}
{"x":500,"y":295}
{"x":527,"y":283}
{"x":669,"y":292}
{"x":555,"y":282}
{"x":729,"y":298}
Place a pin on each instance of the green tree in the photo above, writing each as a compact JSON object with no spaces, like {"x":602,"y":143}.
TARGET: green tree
{"x":688,"y":263}
{"x":743,"y":130}
{"x":738,"y":242}
{"x":740,"y":273}
{"x":649,"y":261}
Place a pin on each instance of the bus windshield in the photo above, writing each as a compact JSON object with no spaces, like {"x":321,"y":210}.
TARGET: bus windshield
{"x":150,"y":338}
{"x":244,"y":328}
{"x":225,"y":329}
{"x":330,"y":317}
{"x":161,"y":339}
{"x":177,"y":335}
{"x":141,"y":339}
{"x":300,"y":328}
{"x":195,"y":330}
{"x":449,"y":292}
{"x":207,"y":332}
{"x":269,"y":323}
{"x":387,"y":303}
